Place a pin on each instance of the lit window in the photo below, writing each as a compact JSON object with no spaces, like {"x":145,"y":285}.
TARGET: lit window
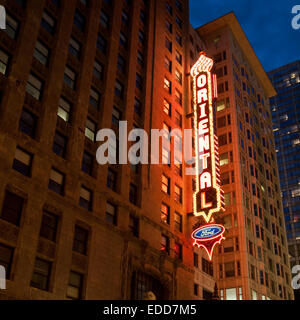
{"x":165,"y":213}
{"x":167,"y":85}
{"x":178,"y":222}
{"x":167,"y":107}
{"x":165,"y":184}
{"x":165,"y":244}
{"x":64,"y":109}
{"x":178,"y":193}
{"x":90,"y":129}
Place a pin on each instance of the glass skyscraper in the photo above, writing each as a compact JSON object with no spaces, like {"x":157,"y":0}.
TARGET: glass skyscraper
{"x":285,"y":108}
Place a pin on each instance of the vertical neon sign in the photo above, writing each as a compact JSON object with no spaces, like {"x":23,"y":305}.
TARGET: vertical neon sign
{"x":208,"y":197}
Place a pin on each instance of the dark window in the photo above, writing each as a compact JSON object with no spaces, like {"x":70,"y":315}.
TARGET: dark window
{"x":121,"y":64}
{"x":74,"y":289}
{"x":22,"y":162}
{"x":206,"y":295}
{"x":111,"y":179}
{"x":70,"y":77}
{"x":4,"y":62}
{"x":104,"y":19}
{"x":168,"y":44}
{"x":137,"y":106}
{"x":79,"y":20}
{"x":111,"y":213}
{"x":98,"y":70}
{"x":123,"y":40}
{"x":207,"y":267}
{"x":48,"y":23}
{"x":134,"y":225}
{"x":41,"y":53}
{"x":119,"y":89}
{"x":196,"y":289}
{"x":178,"y":251}
{"x":196,"y":260}
{"x":12,"y":208}
{"x":75,"y":48}
{"x":139,"y":81}
{"x":87,"y":163}
{"x":41,"y":274}
{"x":34,"y":87}
{"x":101,"y":43}
{"x":59,"y":144}
{"x":85,"y":199}
{"x":56,"y":181}
{"x":49,"y":226}
{"x":6,"y":257}
{"x":12,"y":26}
{"x":178,"y":222}
{"x":80,"y":240}
{"x":133,"y":193}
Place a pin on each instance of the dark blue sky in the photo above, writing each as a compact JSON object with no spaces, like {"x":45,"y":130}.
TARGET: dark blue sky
{"x":266,"y":23}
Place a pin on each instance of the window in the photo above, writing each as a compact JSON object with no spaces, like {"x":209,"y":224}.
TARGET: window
{"x":165,"y":213}
{"x":229,"y":269}
{"x":121,"y":64}
{"x":140,"y":58}
{"x":166,"y":156}
{"x":168,"y":26}
{"x":178,"y":222}
{"x":22,"y":162}
{"x":101,"y":43}
{"x":34,"y":86}
{"x":165,"y":244}
{"x":28,"y":122}
{"x":64,"y":109}
{"x":74,"y":48}
{"x":70,"y":78}
{"x":178,"y":251}
{"x":133,"y":196}
{"x":196,"y":289}
{"x":79,"y":20}
{"x":111,"y":214}
{"x":178,"y":57}
{"x":178,"y":97}
{"x":169,"y":8}
{"x":167,"y":85}
{"x":98,"y":70}
{"x":134,"y":225}
{"x":74,"y":289}
{"x":111,"y":179}
{"x":80,"y":240}
{"x":41,"y":274}
{"x":178,"y":119}
{"x":178,"y":76}
{"x":143,"y":16}
{"x":12,"y":208}
{"x":137,"y":106}
{"x":139,"y":81}
{"x":48,"y":23}
{"x":119,"y":89}
{"x":168,"y":44}
{"x":56,"y":181}
{"x":116,"y":116}
{"x":123,"y":40}
{"x":6,"y":257}
{"x":90,"y":129}
{"x":49,"y":226}
{"x":178,"y":193}
{"x":85,"y":199}
{"x":104,"y":19}
{"x":87,"y":163}
{"x":94,"y":98}
{"x":178,"y":39}
{"x":12,"y":26}
{"x":141,"y":37}
{"x":207,"y":267}
{"x":165,"y":184}
{"x":59,"y":144}
{"x":196,"y":260}
{"x":4,"y":59}
{"x":168,"y":64}
{"x":125,"y":19}
{"x":41,"y":53}
{"x":231,"y":294}
{"x":167,"y":107}
{"x":224,"y":159}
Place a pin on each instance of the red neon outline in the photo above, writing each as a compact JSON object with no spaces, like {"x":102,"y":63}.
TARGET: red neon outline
{"x":198,"y":243}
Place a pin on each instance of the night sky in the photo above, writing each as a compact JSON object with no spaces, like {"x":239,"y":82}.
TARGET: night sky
{"x":266,"y":23}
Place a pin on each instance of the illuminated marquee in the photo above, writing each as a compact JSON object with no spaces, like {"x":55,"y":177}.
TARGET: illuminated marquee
{"x":208,"y":197}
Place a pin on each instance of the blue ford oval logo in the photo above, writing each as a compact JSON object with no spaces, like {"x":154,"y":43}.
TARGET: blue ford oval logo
{"x":207,"y":232}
